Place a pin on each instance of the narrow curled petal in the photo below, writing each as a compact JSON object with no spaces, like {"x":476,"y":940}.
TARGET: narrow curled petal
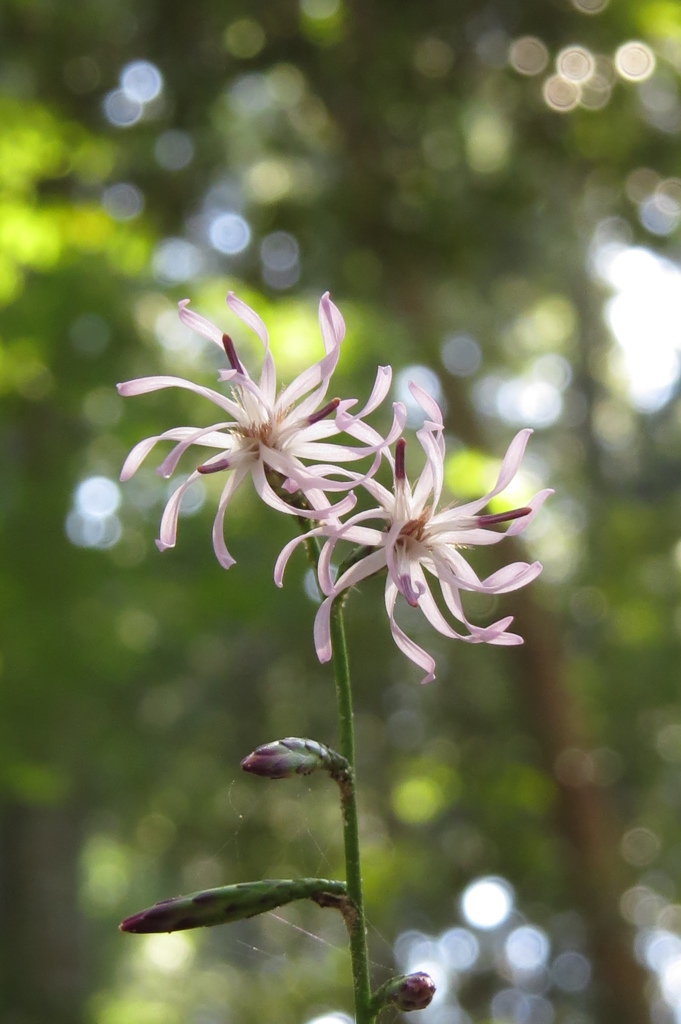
{"x":268,"y":378}
{"x":199,"y":323}
{"x":509,"y":468}
{"x":354,"y":533}
{"x":287,"y":551}
{"x":247,"y":316}
{"x":534,"y":504}
{"x":512,"y":577}
{"x":367,"y":566}
{"x":374,"y":443}
{"x":496,"y":634}
{"x":511,"y":461}
{"x":434,"y":470}
{"x":427,"y":403}
{"x":379,"y":391}
{"x":171,"y":460}
{"x":333,"y":330}
{"x":322,"y":630}
{"x":412,"y":650}
{"x":448,"y":563}
{"x":390,"y":544}
{"x":144,"y":385}
{"x":331,"y":323}
{"x":168,"y":531}
{"x":139,"y":453}
{"x":269,"y":496}
{"x":431,"y":610}
{"x":219,"y":547}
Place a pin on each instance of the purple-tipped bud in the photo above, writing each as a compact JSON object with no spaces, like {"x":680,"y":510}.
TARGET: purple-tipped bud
{"x":400,"y":473}
{"x":325,"y":411}
{"x":406,"y":992}
{"x":233,"y":903}
{"x":231,"y":353}
{"x":503,"y":517}
{"x":283,"y":759}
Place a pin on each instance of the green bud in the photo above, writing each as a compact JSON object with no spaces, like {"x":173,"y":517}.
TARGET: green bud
{"x":283,"y":759}
{"x":234,"y":903}
{"x":406,"y":992}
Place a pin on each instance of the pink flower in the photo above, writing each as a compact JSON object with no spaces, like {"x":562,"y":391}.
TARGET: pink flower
{"x":416,"y":537}
{"x":263,"y":431}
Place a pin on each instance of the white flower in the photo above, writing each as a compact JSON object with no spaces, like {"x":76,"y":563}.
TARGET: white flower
{"x":264,"y":432}
{"x":416,"y":537}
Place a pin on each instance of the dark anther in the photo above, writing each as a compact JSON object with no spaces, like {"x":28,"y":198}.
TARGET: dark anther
{"x":503,"y":517}
{"x":231,"y":353}
{"x":325,"y":411}
{"x":214,"y":467}
{"x":400,"y":473}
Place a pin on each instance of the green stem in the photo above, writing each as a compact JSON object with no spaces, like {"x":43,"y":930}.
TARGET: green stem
{"x":353,"y":873}
{"x":364,"y":1013}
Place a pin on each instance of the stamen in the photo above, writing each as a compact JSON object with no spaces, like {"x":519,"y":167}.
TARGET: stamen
{"x":400,"y":474}
{"x":325,"y":411}
{"x":231,"y":353}
{"x":502,"y":517}
{"x":411,"y":595}
{"x":214,"y":467}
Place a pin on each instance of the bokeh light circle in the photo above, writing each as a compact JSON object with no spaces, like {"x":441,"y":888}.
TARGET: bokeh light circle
{"x":229,"y":233}
{"x":528,"y":55}
{"x":590,"y":6}
{"x":635,"y":61}
{"x":141,"y":81}
{"x":527,"y":948}
{"x":97,"y":496}
{"x":560,"y":94}
{"x":575,"y":63}
{"x":487,"y":902}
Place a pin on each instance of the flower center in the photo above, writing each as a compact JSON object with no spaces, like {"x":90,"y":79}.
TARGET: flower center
{"x":260,"y":432}
{"x":415,"y":528}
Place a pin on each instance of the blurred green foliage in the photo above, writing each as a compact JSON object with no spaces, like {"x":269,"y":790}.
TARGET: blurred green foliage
{"x":430,"y":182}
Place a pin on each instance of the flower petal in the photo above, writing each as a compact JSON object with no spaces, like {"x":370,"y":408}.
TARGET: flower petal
{"x":168,"y":530}
{"x":430,"y":609}
{"x":427,"y":403}
{"x":199,"y":323}
{"x":432,"y":477}
{"x":392,"y":535}
{"x":353,"y":533}
{"x":322,"y":630}
{"x":375,"y":442}
{"x":405,"y":644}
{"x":535,"y":504}
{"x":139,"y":453}
{"x":448,"y":560}
{"x":509,"y":467}
{"x":268,"y":377}
{"x":219,"y":547}
{"x":272,"y":499}
{"x":512,"y":577}
{"x":144,"y":385}
{"x":171,"y":460}
{"x":361,"y":570}
{"x":378,"y":393}
{"x":331,"y":324}
{"x":287,"y":551}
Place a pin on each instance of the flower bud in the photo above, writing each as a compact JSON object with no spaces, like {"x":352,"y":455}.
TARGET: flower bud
{"x":283,"y":759}
{"x":406,"y":992}
{"x":233,"y":903}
